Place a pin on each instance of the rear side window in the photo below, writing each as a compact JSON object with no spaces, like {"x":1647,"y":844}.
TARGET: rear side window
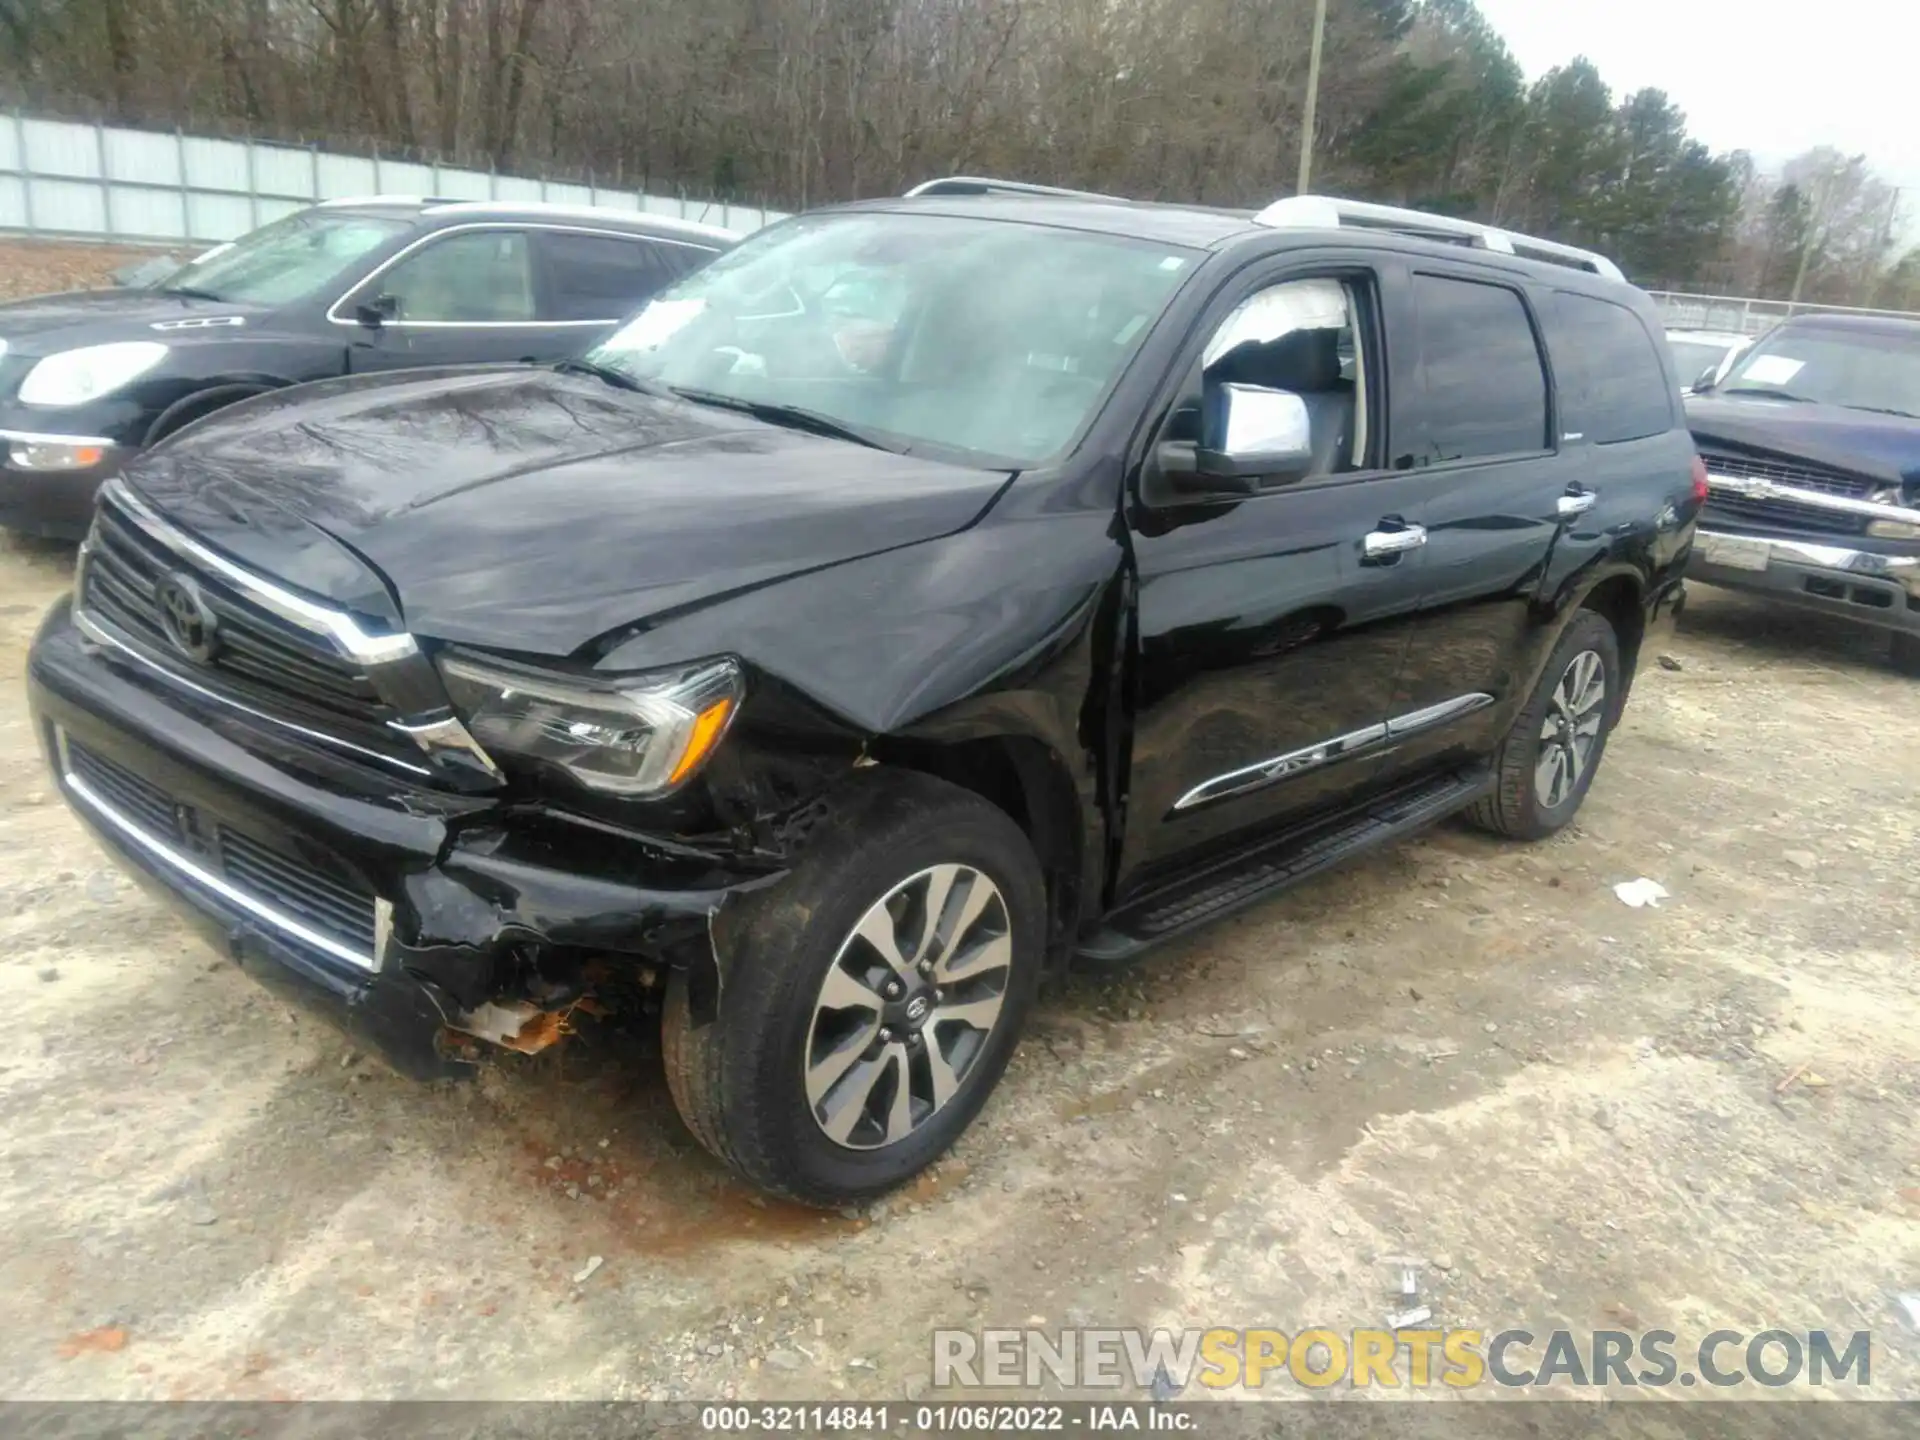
{"x":607,"y":277}
{"x":1485,"y":386}
{"x":1615,"y":386}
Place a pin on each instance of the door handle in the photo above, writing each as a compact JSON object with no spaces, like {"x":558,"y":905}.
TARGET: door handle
{"x":1381,"y":543}
{"x":1575,"y":502}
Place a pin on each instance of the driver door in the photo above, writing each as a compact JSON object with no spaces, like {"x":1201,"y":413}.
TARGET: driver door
{"x":1270,"y":632}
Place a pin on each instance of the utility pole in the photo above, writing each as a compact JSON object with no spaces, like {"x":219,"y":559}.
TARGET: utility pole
{"x":1313,"y":96}
{"x":1816,"y":212}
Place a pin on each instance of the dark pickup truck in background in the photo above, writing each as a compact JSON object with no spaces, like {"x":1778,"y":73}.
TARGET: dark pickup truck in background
{"x":1812,"y":447}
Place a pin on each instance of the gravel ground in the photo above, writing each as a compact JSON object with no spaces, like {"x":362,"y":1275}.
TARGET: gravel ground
{"x":1577,"y":1114}
{"x":38,"y":267}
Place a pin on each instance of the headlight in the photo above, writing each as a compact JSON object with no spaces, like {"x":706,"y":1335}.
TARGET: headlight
{"x":74,"y":377}
{"x":51,"y":452}
{"x":626,"y":735}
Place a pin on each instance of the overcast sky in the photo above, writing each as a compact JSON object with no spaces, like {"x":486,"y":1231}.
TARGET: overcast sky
{"x":1768,"y":76}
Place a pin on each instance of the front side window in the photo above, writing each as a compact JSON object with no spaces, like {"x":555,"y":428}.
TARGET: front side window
{"x":287,"y":260}
{"x":1301,"y":337}
{"x":1485,"y":386}
{"x":990,"y":338}
{"x":473,"y":277}
{"x":1861,"y":369}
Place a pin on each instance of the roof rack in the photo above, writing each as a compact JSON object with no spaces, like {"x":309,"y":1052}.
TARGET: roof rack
{"x":982,"y":185}
{"x":1325,"y":212}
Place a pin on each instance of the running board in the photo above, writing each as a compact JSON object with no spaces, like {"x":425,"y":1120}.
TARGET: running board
{"x":1253,"y":875}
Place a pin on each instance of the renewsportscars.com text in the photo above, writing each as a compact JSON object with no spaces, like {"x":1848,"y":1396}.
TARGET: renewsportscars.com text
{"x":1252,"y":1359}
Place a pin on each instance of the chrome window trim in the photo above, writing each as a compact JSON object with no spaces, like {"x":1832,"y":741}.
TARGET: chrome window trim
{"x":101,"y":634}
{"x":167,"y":855}
{"x":1754,"y":488}
{"x":516,"y":225}
{"x":35,"y":437}
{"x":1341,"y":747}
{"x":695,"y":230}
{"x":333,"y":625}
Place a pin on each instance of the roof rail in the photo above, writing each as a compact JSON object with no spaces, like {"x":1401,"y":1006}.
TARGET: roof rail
{"x":1325,"y":212}
{"x":979,"y":185}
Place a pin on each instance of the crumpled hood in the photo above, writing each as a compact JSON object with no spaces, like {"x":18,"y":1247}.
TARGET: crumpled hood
{"x":1885,"y":446}
{"x":49,"y":323}
{"x":533,"y":511}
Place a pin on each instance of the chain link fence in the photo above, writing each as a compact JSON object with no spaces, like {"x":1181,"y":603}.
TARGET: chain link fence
{"x":66,"y":180}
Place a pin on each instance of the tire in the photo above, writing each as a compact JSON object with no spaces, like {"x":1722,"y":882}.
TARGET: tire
{"x":1906,"y":653}
{"x":1529,"y":801}
{"x":761,"y":1083}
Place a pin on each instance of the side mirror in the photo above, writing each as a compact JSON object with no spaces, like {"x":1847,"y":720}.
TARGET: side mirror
{"x":376,"y":312}
{"x":1248,"y":435}
{"x":1703,"y":382}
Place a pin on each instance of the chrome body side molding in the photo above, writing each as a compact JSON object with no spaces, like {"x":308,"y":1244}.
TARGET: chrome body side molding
{"x":1341,"y":747}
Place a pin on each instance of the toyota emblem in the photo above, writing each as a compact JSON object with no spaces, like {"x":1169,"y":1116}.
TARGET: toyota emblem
{"x":917,"y":1009}
{"x":189,"y":625}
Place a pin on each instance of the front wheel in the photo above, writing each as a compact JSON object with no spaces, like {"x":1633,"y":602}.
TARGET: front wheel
{"x":1548,"y":760}
{"x":870,"y":1001}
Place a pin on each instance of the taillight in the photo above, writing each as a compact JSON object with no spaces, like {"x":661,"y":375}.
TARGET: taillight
{"x":1699,"y":481}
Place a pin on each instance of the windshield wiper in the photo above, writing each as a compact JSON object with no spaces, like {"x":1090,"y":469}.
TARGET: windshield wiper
{"x":794,"y":417}
{"x":1770,"y":393}
{"x":1884,"y":410}
{"x":188,"y":292}
{"x":617,"y":378}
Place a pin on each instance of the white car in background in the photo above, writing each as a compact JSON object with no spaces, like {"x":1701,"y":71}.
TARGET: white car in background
{"x":1705,"y":355}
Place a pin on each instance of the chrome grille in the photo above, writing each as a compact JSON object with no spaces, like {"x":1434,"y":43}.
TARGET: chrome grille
{"x":1751,"y":513}
{"x":262,"y":661}
{"x":145,"y":804}
{"x":325,"y":899}
{"x":332,"y":905}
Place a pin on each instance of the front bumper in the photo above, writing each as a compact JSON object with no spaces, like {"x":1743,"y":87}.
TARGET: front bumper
{"x":473,"y":910}
{"x":1876,"y":589}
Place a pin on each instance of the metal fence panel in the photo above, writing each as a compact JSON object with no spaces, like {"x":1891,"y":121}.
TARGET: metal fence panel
{"x":159,"y":213}
{"x":398,"y":177}
{"x":283,"y":172}
{"x":55,"y":148}
{"x":72,"y":205}
{"x":463,"y":185}
{"x":344,"y":175}
{"x":99,"y":182}
{"x":143,"y":159}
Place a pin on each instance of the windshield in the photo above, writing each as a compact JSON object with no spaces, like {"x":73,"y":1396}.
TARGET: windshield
{"x":993,"y":339}
{"x":286,"y":260}
{"x":1860,"y":369}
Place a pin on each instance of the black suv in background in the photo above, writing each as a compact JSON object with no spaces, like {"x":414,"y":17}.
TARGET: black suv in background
{"x":1812,"y":446}
{"x":923,"y":595}
{"x":349,"y":286}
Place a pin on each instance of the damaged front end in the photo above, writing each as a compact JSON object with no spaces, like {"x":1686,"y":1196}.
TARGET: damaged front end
{"x":432,"y":925}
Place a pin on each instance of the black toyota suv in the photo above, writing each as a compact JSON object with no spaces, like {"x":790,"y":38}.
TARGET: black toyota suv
{"x":89,"y":379}
{"x":1812,"y":447}
{"x":923,"y":596}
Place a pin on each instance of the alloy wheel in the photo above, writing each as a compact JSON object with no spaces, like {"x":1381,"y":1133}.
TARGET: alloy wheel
{"x":907,"y":1007}
{"x":1570,"y":730}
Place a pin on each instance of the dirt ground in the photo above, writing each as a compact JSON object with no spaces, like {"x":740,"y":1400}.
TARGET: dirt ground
{"x":1578,"y":1114}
